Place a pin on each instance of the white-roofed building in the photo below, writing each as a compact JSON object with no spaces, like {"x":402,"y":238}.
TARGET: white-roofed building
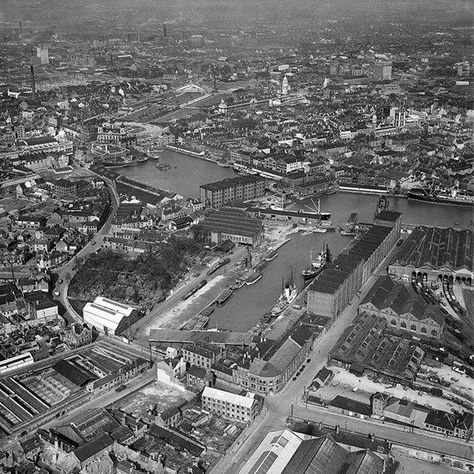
{"x":106,"y":315}
{"x":237,"y":407}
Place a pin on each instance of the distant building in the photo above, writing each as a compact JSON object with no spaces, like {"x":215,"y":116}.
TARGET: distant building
{"x":383,"y":70}
{"x":242,"y":188}
{"x":44,"y":144}
{"x":196,"y":41}
{"x":42,"y":52}
{"x":236,"y":407}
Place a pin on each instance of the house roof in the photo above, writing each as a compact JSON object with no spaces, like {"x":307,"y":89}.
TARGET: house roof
{"x":441,"y":419}
{"x":93,"y":447}
{"x":348,"y":404}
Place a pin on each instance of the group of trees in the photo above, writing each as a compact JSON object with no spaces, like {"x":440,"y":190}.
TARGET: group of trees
{"x":117,"y":276}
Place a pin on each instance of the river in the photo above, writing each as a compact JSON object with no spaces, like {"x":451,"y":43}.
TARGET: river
{"x":249,"y":303}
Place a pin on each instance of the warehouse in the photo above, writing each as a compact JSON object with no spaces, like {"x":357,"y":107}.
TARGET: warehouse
{"x":229,"y":224}
{"x":337,"y":284}
{"x":109,"y":316}
{"x":241,"y":188}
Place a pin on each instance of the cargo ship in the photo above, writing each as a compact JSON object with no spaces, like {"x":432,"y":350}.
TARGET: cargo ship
{"x":123,"y":162}
{"x":316,"y":265}
{"x":438,"y":197}
{"x":186,"y":150}
{"x":288,"y":295}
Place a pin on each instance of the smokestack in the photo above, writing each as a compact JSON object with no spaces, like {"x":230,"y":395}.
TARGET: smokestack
{"x":21,"y":27}
{"x":33,"y":82}
{"x":165,"y":33}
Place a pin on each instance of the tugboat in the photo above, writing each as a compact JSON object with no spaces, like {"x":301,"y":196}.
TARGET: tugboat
{"x":349,"y":227}
{"x":288,"y":295}
{"x":382,"y":205}
{"x":317,"y":265}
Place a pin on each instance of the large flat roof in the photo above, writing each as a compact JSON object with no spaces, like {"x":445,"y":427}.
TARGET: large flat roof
{"x":230,"y":182}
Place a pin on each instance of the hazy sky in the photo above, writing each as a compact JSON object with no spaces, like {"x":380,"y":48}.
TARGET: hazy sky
{"x":234,"y":12}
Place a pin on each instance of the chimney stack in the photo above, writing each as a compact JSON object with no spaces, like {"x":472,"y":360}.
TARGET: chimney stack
{"x":33,"y":82}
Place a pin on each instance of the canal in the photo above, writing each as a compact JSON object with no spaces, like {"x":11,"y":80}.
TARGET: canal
{"x":249,"y":303}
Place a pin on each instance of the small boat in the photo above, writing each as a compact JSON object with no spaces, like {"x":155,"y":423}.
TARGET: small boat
{"x":320,"y":230}
{"x":347,"y":231}
{"x":253,"y":278}
{"x":223,"y":297}
{"x":270,"y":256}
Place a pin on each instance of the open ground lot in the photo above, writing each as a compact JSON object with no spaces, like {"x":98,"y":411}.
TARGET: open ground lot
{"x":157,"y":395}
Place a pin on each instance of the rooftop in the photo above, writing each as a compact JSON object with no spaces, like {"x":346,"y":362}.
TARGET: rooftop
{"x":437,"y":248}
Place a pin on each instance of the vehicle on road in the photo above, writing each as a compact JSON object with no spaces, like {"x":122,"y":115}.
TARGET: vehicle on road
{"x":120,"y":388}
{"x":60,"y":281}
{"x":57,"y":293}
{"x":94,"y":242}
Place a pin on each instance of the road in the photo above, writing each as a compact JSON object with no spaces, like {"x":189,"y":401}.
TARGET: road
{"x":389,"y":432}
{"x":278,"y":407}
{"x":67,"y":271}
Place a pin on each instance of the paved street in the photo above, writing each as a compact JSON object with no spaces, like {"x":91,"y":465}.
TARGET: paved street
{"x":67,"y":271}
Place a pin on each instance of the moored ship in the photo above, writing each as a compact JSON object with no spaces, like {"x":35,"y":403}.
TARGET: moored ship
{"x":316,"y":265}
{"x":349,"y":228}
{"x":438,"y":197}
{"x":186,"y":150}
{"x":288,"y":295}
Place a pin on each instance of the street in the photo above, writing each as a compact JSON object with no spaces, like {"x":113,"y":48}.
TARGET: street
{"x":67,"y":271}
{"x":447,"y":446}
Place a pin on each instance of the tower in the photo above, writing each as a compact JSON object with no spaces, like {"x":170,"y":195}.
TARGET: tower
{"x":33,"y":82}
{"x":42,"y":52}
{"x":284,"y":86}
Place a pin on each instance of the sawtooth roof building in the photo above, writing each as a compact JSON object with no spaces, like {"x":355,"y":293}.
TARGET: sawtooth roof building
{"x":435,"y":254}
{"x":364,"y":347}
